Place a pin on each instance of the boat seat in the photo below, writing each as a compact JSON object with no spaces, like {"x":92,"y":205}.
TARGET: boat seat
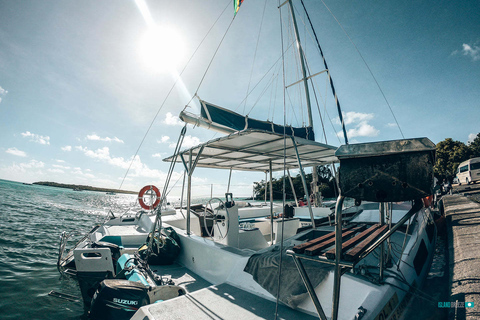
{"x":251,"y":238}
{"x":355,"y":240}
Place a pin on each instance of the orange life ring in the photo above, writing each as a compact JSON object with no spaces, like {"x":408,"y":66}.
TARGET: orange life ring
{"x":142,"y":193}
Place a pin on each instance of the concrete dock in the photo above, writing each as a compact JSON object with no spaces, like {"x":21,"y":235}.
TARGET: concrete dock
{"x":462,"y":214}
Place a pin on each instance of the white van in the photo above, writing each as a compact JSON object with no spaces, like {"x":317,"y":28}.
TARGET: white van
{"x":469,"y":171}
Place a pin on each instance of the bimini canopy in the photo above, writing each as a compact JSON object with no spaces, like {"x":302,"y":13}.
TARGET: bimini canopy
{"x":253,"y":150}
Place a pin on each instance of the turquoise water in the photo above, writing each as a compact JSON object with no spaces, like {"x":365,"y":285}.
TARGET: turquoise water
{"x":32,"y":219}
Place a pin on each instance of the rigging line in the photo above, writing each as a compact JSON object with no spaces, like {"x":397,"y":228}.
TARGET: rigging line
{"x":271,"y":109}
{"x":255,"y":55}
{"x":329,"y":77}
{"x":174,"y":160}
{"x":319,"y":113}
{"x":171,"y":188}
{"x":368,"y":67}
{"x":314,"y":83}
{"x":316,"y":100}
{"x":312,"y":80}
{"x":291,"y":104}
{"x":325,"y":108}
{"x":275,"y":96}
{"x":214,"y":55}
{"x":258,"y":83}
{"x":284,"y":150}
{"x":324,"y":102}
{"x":262,"y":93}
{"x":168,"y":95}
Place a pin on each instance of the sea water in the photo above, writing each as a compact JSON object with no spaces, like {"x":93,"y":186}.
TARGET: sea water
{"x":32,"y":218}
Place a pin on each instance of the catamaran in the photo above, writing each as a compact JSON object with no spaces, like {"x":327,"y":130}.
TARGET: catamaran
{"x":223,"y":260}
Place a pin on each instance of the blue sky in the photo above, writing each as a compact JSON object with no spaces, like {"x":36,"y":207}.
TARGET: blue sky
{"x":77,"y":95}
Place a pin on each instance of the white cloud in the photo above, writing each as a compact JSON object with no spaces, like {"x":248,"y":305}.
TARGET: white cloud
{"x":355,"y":117}
{"x":67,"y":148}
{"x":363,"y":130}
{"x":361,"y":126}
{"x":188,"y":142}
{"x":16,"y":152}
{"x":58,"y":166}
{"x":3,"y":92}
{"x":157,"y":155}
{"x":60,"y":161}
{"x":137,"y":168}
{"x":163,"y":139}
{"x":172,"y":120}
{"x":102,"y":154}
{"x":471,"y":137}
{"x":473,"y":51}
{"x":55,"y":170}
{"x":36,"y":137}
{"x":391,"y":125}
{"x":32,"y":164}
{"x":95,"y":137}
{"x":79,"y":172}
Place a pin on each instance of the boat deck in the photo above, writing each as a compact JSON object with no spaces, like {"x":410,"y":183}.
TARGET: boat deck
{"x":218,"y":302}
{"x":181,"y":276}
{"x":206,"y":301}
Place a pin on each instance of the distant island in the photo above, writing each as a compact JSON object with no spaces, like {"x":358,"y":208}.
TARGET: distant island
{"x":77,"y":187}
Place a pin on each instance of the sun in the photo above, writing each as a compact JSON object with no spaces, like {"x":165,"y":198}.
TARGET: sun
{"x":161,"y":49}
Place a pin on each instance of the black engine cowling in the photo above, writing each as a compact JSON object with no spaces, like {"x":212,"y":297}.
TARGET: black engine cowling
{"x":118,"y":300}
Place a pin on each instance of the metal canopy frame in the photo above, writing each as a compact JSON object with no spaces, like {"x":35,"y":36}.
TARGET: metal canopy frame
{"x":256,"y":150}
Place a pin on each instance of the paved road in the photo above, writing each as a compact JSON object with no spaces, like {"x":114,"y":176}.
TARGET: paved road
{"x":463,"y":228}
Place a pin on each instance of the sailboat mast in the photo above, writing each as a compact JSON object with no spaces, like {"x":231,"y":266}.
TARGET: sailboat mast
{"x":329,"y":77}
{"x":307,"y":97}
{"x":302,"y":62}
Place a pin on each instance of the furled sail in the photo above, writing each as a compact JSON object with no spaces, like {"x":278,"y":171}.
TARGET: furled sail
{"x":227,"y":121}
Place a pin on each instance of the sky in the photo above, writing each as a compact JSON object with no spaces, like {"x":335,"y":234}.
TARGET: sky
{"x":82,"y":81}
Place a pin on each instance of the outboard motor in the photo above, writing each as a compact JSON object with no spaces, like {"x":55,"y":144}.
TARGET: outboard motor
{"x":118,"y":300}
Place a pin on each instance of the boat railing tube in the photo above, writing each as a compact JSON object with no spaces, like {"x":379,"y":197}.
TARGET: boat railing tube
{"x":417,"y":205}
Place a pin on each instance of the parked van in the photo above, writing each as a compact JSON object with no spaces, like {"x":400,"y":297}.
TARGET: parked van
{"x":469,"y":171}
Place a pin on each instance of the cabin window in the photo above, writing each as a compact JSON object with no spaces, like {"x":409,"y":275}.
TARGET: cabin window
{"x":463,"y":169}
{"x":420,"y":258}
{"x":475,"y":166}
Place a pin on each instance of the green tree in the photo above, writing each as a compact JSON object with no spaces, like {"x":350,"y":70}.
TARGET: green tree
{"x":449,"y":154}
{"x":326,"y":183}
{"x":475,"y":146}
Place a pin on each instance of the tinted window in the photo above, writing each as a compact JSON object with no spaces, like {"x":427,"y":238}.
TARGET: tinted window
{"x":475,"y":166}
{"x":463,"y":169}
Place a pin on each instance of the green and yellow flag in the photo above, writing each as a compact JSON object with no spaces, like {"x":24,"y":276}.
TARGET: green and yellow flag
{"x":236,"y":5}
